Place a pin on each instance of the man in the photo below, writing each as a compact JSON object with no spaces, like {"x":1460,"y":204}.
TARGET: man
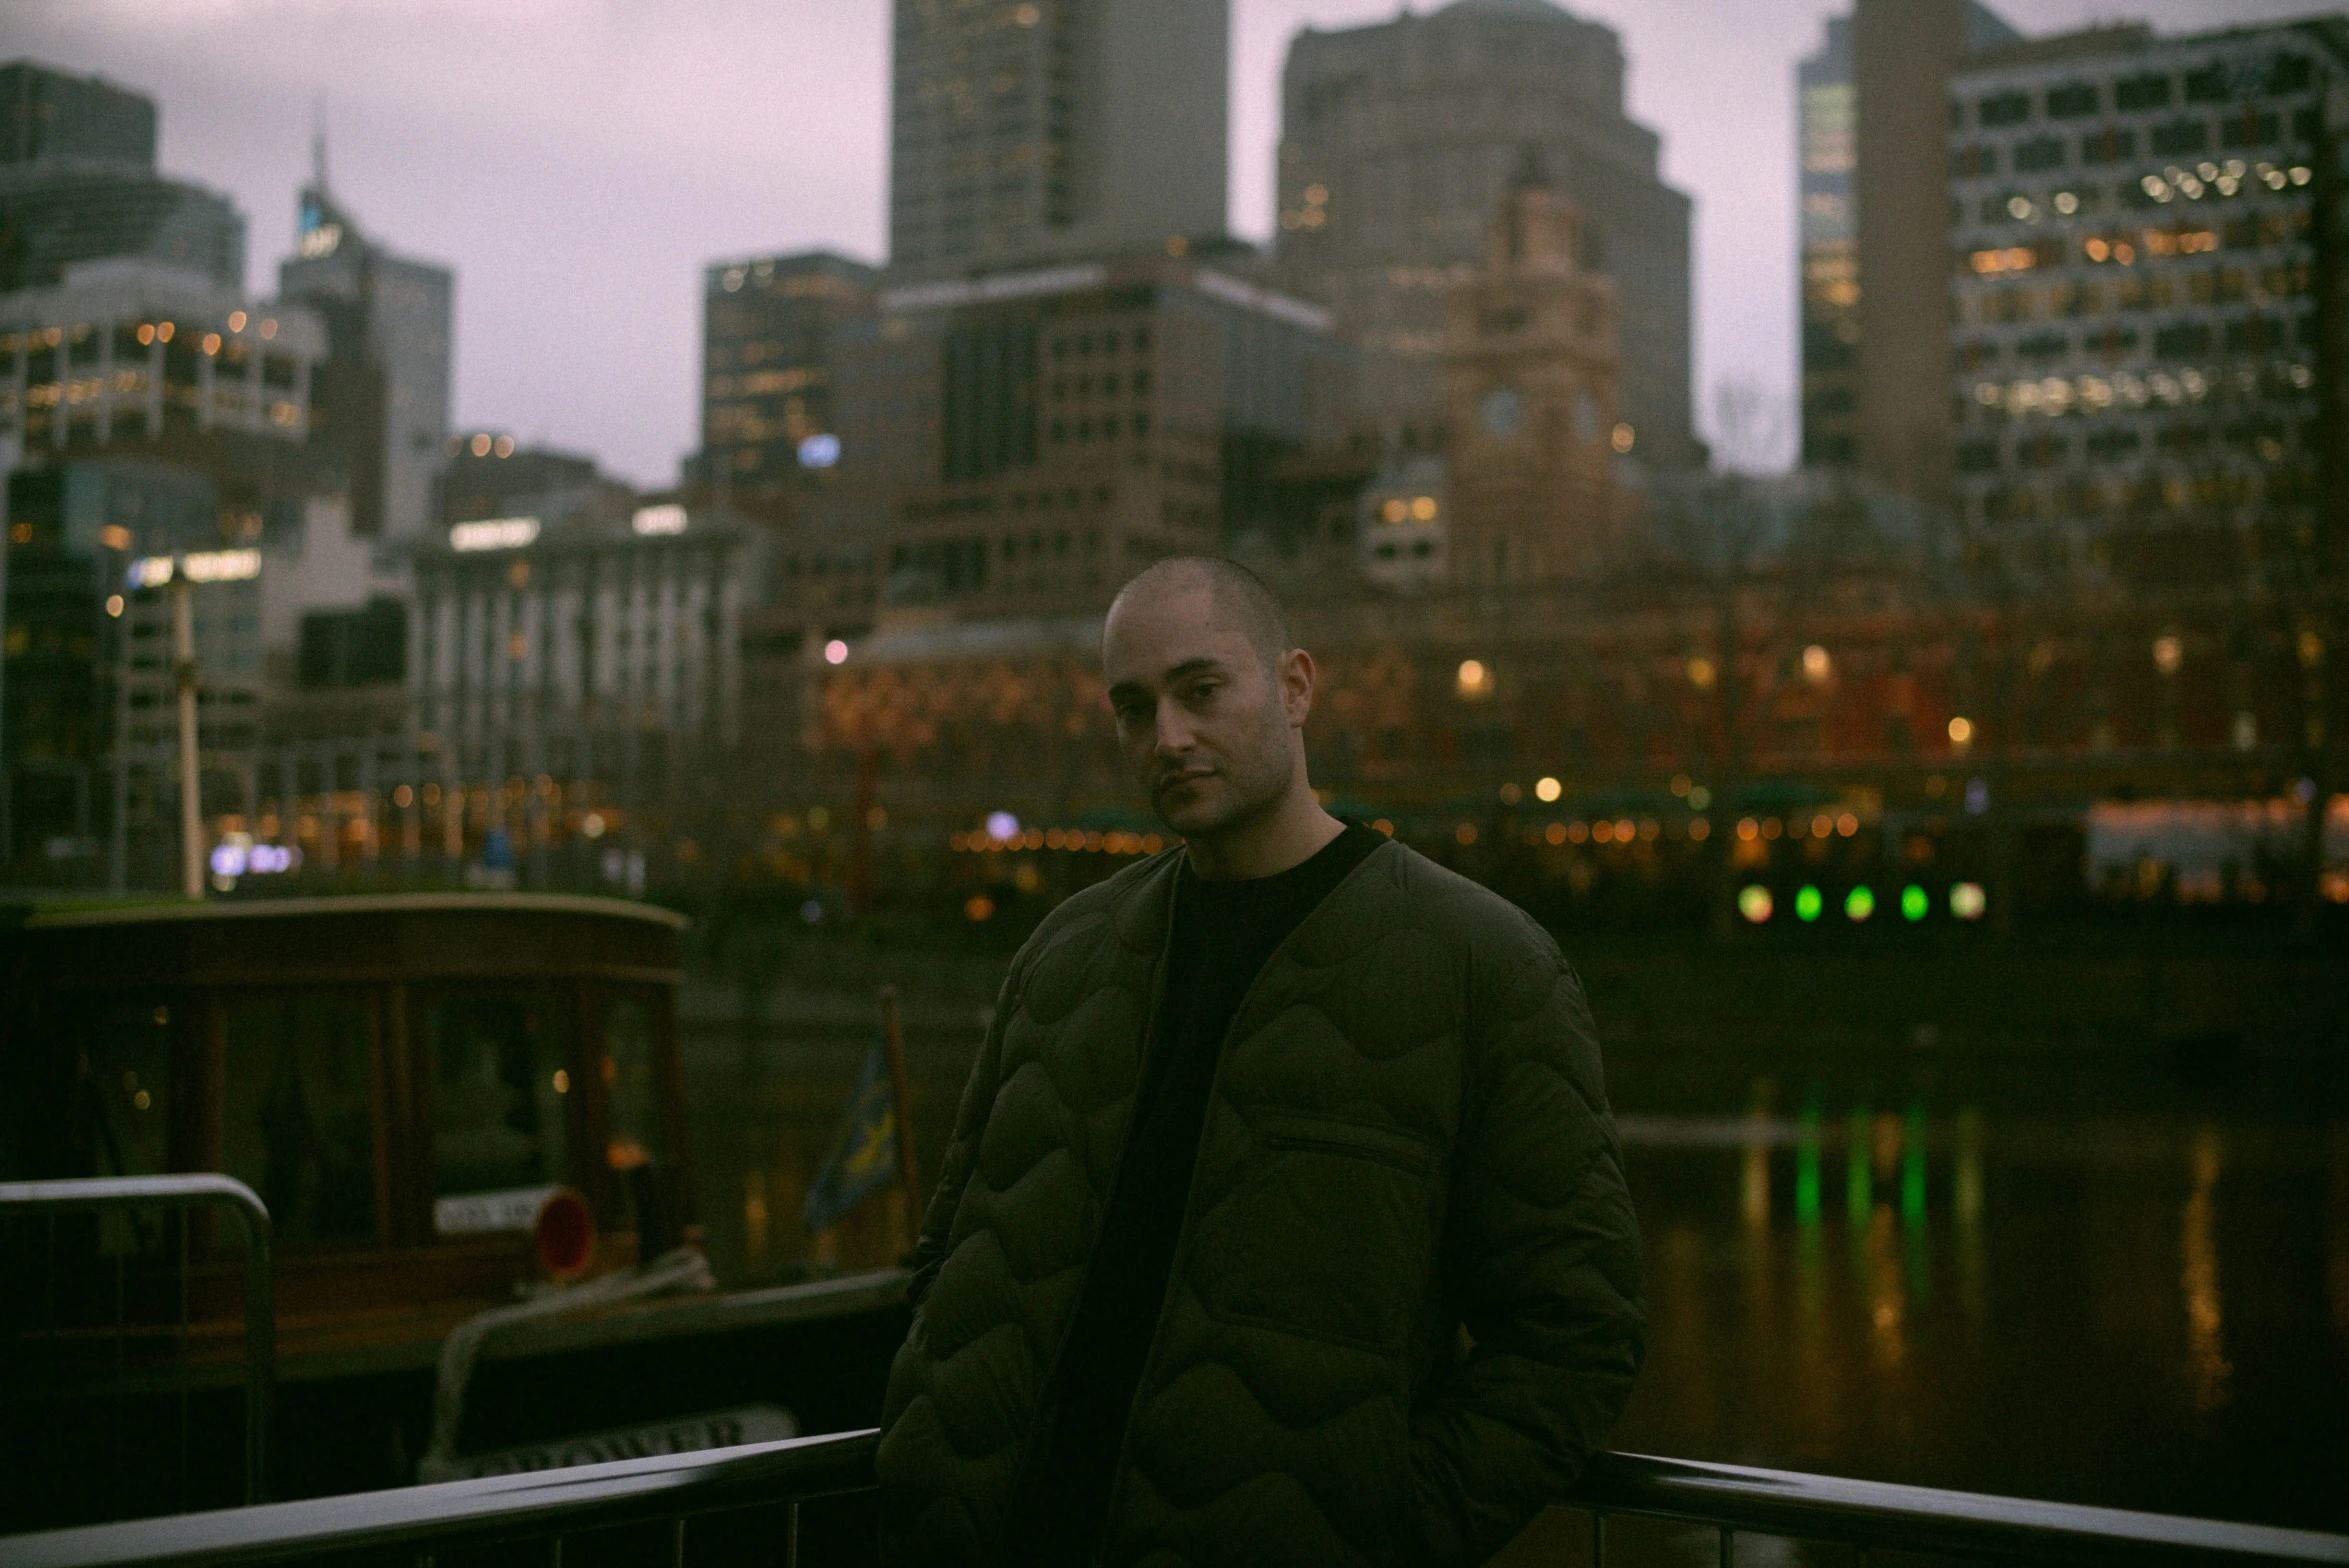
{"x":1283,"y":1220}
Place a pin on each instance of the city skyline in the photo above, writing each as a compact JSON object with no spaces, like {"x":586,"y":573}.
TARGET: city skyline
{"x":577,"y":168}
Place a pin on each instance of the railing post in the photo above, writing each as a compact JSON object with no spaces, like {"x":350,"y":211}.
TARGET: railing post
{"x":181,"y":1190}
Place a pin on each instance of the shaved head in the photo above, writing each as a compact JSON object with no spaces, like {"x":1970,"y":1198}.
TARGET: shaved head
{"x":1241,"y":599}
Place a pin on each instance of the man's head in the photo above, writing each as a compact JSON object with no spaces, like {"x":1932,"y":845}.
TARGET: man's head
{"x":1210,"y":697}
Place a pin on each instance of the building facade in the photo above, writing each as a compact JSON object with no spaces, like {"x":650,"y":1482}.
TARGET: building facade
{"x":383,"y":396}
{"x":1022,"y":444}
{"x":128,"y":350}
{"x":1047,"y":129}
{"x":2141,"y":367}
{"x":1397,"y":142}
{"x":583,"y":647}
{"x":1903,"y":52}
{"x":1530,"y":371}
{"x":1827,"y":156}
{"x":78,"y":183}
{"x":769,"y":331}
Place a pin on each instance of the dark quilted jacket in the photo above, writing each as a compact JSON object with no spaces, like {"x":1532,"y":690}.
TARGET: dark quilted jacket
{"x":1406,"y":1302}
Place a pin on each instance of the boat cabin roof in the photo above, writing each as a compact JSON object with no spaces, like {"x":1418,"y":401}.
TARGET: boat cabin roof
{"x":351,"y":940}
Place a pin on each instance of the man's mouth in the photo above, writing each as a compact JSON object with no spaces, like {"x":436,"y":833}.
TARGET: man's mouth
{"x":1175,"y":781}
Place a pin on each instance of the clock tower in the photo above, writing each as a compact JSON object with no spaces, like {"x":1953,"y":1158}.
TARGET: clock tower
{"x":1530,"y":377}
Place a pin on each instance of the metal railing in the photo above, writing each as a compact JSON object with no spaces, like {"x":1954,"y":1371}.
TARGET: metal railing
{"x":676,"y":1497}
{"x":185,"y":1192}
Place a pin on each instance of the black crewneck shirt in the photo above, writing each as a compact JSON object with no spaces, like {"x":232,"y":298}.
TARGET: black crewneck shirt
{"x":1223,"y":934}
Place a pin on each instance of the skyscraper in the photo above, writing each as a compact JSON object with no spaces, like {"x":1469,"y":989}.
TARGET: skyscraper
{"x":1903,"y":52}
{"x":2147,"y":358}
{"x":382,"y":397}
{"x":1828,"y":152}
{"x":1398,"y":141}
{"x":78,"y":183}
{"x":1029,"y":131}
{"x":769,"y":328}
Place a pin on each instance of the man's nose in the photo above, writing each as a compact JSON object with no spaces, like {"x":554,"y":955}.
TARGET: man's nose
{"x":1174,"y":730}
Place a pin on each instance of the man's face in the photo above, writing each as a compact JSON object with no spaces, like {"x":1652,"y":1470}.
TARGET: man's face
{"x":1206,"y":729}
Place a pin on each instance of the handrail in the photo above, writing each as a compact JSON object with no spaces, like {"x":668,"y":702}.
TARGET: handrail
{"x":197,"y":1187}
{"x":429,"y":1520}
{"x":1734,"y":1498}
{"x":453,"y":1515}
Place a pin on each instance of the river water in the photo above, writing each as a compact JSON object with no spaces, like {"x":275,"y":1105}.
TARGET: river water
{"x":2106,"y":1282}
{"x":2083,"y":1276}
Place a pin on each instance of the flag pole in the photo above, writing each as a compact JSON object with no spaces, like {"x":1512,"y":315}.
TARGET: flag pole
{"x":893,"y":1040}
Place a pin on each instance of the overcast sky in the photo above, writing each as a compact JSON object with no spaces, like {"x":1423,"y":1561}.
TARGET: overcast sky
{"x":577,"y":161}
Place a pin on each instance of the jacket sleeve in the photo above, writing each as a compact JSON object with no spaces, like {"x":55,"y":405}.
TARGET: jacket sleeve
{"x":1540,"y":1259}
{"x":962,"y":1147}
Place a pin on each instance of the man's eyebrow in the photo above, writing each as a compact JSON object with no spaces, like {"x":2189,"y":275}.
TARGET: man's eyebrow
{"x":1204,"y":664}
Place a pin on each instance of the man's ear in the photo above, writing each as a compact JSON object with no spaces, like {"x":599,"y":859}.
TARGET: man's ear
{"x":1297,"y":686}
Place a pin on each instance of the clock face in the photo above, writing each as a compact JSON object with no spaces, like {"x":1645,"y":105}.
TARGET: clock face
{"x":1503,"y":411}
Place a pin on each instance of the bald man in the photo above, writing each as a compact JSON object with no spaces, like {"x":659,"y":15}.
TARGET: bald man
{"x":1283,"y":1220}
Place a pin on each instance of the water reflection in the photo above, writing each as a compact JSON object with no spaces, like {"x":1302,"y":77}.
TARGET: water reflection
{"x":2207,"y":1368}
{"x":1893,"y":1330}
{"x":1988,"y":1276}
{"x":1966,"y":1211}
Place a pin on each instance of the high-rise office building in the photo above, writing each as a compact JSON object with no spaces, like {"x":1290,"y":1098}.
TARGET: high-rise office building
{"x":383,"y":394}
{"x":769,"y":334}
{"x":2146,"y":387}
{"x":1052,"y":128}
{"x":1902,"y":54}
{"x":131,"y":354}
{"x":1827,"y":110}
{"x":1022,"y":444}
{"x":78,"y":183}
{"x":1398,"y":141}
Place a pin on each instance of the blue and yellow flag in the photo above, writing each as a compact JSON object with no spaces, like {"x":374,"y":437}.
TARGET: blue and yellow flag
{"x":864,"y":1155}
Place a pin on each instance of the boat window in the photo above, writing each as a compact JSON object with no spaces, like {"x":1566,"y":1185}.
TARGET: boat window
{"x":98,"y":1101}
{"x":95,"y":1101}
{"x":632,"y":1083}
{"x":500,"y":1072}
{"x":298,"y":1111}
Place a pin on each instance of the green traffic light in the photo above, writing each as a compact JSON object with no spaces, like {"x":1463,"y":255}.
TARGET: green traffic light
{"x":1861,"y":903}
{"x":1807,"y":904}
{"x":1914,"y":905}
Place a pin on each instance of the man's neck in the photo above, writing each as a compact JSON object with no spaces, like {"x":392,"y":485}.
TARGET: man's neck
{"x":1289,"y":835}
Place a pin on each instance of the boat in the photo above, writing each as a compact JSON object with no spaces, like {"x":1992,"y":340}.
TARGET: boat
{"x":464,"y":1113}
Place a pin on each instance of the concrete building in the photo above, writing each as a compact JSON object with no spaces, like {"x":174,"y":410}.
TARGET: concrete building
{"x":490,"y":474}
{"x":97,"y":546}
{"x":1404,"y":526}
{"x":129,"y":350}
{"x":1530,"y":374}
{"x":770,"y":327}
{"x":593,"y":645}
{"x":1023,"y":133}
{"x":383,"y":396}
{"x":2140,"y":365}
{"x":1902,"y":55}
{"x":78,"y":183}
{"x":1399,"y":139}
{"x":1022,"y":444}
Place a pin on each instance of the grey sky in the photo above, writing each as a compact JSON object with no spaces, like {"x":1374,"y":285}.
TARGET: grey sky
{"x":578,"y":160}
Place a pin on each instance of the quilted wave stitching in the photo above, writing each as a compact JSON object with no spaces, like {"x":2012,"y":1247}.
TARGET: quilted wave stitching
{"x":1412,"y":1000}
